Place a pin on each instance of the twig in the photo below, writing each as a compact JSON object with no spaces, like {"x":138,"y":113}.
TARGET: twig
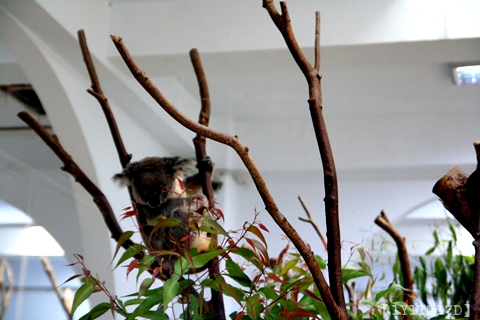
{"x":312,"y":221}
{"x":216,"y":304}
{"x":96,"y":91}
{"x":5,"y":290}
{"x":67,"y":306}
{"x":383,"y":222}
{"x":350,"y":286}
{"x":244,"y":155}
{"x":317,"y":41}
{"x":315,"y":101}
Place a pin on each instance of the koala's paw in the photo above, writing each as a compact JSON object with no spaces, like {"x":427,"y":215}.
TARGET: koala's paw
{"x":206,"y":164}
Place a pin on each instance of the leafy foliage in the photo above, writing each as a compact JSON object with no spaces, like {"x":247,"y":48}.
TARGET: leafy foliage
{"x":279,"y":287}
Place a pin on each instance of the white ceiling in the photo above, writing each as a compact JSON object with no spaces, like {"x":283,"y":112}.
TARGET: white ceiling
{"x":393,"y":112}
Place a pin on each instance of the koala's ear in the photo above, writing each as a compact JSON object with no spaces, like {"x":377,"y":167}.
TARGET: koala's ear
{"x":122,"y":180}
{"x":125,"y":178}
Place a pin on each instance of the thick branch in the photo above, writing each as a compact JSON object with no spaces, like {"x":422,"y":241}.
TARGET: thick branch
{"x":74,"y":170}
{"x":282,"y":21}
{"x":244,"y":155}
{"x":474,"y":205}
{"x":383,"y":222}
{"x":452,"y":189}
{"x":96,"y":91}
{"x":216,"y":304}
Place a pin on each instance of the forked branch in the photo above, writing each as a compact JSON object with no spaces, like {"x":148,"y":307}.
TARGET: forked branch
{"x":315,"y":101}
{"x":96,"y":91}
{"x":244,"y":155}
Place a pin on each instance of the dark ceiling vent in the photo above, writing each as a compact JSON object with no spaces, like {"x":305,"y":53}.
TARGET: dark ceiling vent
{"x":26,"y":95}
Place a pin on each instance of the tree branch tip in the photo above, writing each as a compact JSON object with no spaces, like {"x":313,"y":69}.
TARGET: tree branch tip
{"x":115,"y":38}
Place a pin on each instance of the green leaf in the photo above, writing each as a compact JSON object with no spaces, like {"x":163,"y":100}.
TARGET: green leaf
{"x":145,"y":285}
{"x":321,"y":262}
{"x":97,"y":311}
{"x":164,"y":223}
{"x":289,"y":265}
{"x":170,"y":290}
{"x":202,"y":259}
{"x":124,"y":237}
{"x":248,"y":255}
{"x":145,"y":306}
{"x":351,"y":272}
{"x":81,"y":295}
{"x":130,"y":253}
{"x":215,"y":226}
{"x":236,"y":273}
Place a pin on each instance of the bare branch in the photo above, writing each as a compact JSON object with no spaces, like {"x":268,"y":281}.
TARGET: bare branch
{"x":216,"y":304}
{"x":6,"y":287}
{"x":67,"y":306}
{"x":244,"y":155}
{"x":315,"y":102}
{"x":383,"y":222}
{"x":74,"y":170}
{"x":317,"y":41}
{"x":350,"y":286}
{"x":312,"y":221}
{"x":96,"y":91}
{"x":203,"y":119}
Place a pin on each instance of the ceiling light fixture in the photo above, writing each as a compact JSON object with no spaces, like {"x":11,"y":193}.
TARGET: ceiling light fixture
{"x":466,"y":74}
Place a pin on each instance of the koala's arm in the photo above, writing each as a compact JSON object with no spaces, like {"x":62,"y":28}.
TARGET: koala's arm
{"x":194,"y":181}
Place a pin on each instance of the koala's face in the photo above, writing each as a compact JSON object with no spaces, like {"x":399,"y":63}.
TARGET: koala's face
{"x":151,"y":188}
{"x":152,"y":180}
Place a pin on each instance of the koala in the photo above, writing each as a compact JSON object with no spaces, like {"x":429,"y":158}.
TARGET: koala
{"x":168,"y":187}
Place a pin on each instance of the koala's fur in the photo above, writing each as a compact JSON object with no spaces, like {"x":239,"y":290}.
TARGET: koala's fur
{"x":168,"y":187}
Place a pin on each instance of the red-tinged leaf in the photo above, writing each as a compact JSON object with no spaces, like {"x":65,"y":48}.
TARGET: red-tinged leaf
{"x":250,"y":242}
{"x":253,"y":229}
{"x":232,"y":244}
{"x":258,"y":246}
{"x":215,"y":212}
{"x":312,"y":295}
{"x":301,"y":313}
{"x":240,"y":315}
{"x":156,"y":271}
{"x":180,"y":182}
{"x":97,"y":289}
{"x":131,"y":266}
{"x":71,"y":278}
{"x":282,"y":253}
{"x":275,"y":278}
{"x":128,"y":214}
{"x":185,"y":238}
{"x":79,"y":257}
{"x":263,"y":227}
{"x":72,"y":264}
{"x":86,"y":273}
